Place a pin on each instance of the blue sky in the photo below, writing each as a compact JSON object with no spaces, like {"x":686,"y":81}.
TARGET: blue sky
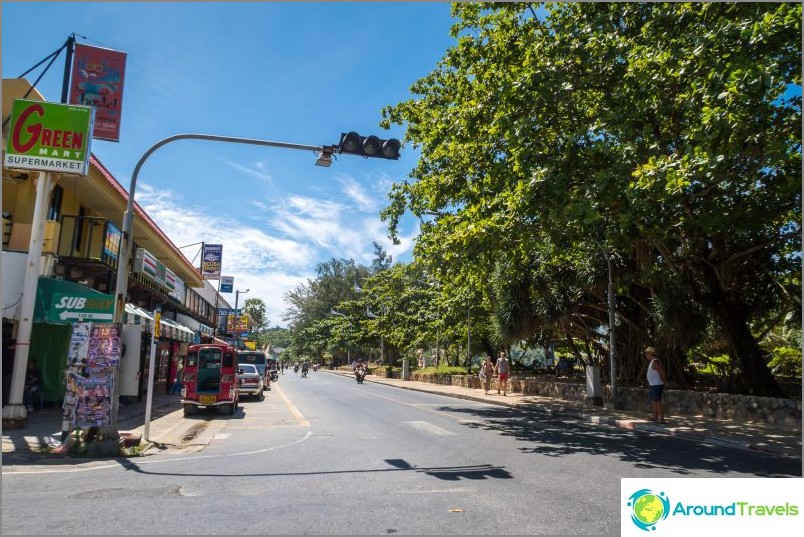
{"x":288,"y":72}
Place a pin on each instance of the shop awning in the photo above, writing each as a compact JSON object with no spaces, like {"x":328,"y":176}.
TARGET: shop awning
{"x":175,"y":330}
{"x":206,"y":330}
{"x":135,"y":315}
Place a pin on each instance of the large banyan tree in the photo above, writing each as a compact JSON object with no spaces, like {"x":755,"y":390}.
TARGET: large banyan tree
{"x":664,"y":135}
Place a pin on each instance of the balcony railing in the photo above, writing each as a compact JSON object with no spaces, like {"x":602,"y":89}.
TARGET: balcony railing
{"x":89,"y":238}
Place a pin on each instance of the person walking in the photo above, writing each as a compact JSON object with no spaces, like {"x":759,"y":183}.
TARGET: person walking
{"x":655,"y":384}
{"x":503,"y":370}
{"x":486,"y":372}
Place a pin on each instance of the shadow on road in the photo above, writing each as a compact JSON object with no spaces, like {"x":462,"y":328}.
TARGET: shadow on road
{"x":544,"y":434}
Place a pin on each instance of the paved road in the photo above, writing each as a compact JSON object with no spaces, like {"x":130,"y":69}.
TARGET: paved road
{"x":316,"y":449}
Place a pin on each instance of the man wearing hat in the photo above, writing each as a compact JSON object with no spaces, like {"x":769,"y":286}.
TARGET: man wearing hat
{"x":655,"y":384}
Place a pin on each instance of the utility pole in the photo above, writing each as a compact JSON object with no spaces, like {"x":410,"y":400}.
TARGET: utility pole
{"x":237,"y":332}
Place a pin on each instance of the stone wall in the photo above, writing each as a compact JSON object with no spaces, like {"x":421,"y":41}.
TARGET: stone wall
{"x":738,"y":408}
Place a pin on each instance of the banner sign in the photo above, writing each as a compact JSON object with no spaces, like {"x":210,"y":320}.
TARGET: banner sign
{"x":111,"y":243}
{"x":179,"y":289}
{"x":97,"y":80}
{"x":148,"y":265}
{"x":227,"y":284}
{"x":211,"y":261}
{"x":49,"y":137}
{"x":228,"y":311}
{"x":92,"y":359}
{"x":91,"y":306}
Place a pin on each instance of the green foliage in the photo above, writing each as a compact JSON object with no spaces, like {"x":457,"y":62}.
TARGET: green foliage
{"x":786,"y":361}
{"x":660,"y":135}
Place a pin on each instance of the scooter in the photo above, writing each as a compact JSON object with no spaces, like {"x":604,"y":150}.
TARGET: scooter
{"x":360,"y":374}
{"x":274,"y":376}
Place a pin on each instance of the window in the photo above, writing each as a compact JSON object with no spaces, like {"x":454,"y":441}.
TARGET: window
{"x":54,"y":211}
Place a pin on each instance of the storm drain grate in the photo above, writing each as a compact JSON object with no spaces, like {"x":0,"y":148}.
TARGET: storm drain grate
{"x":194,"y":431}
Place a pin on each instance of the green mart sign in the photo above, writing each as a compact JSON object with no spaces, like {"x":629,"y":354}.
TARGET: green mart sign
{"x":72,"y":307}
{"x":50,"y":137}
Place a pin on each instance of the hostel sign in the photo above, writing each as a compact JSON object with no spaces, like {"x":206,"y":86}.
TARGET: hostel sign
{"x":49,"y":137}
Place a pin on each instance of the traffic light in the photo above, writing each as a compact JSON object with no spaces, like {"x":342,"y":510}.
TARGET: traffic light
{"x":369,"y":146}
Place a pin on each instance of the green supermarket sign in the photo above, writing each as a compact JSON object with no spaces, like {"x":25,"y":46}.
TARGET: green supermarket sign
{"x":49,"y":137}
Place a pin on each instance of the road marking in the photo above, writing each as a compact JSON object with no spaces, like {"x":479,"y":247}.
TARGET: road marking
{"x":428,"y":427}
{"x":221,"y":436}
{"x":293,"y":410}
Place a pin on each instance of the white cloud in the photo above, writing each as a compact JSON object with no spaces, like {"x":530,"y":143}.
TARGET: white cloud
{"x":273,"y":255}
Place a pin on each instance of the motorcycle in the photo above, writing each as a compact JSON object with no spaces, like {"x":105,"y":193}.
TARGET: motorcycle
{"x":274,"y":376}
{"x":295,"y":369}
{"x":360,"y":374}
{"x":304,"y":372}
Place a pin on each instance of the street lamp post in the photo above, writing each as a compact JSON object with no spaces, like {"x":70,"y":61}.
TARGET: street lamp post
{"x":237,"y":332}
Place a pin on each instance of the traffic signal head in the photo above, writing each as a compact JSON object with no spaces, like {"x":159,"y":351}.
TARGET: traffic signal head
{"x":369,"y":146}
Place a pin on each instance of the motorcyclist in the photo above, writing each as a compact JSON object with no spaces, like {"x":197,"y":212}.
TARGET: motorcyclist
{"x":360,"y":370}
{"x":305,"y":366}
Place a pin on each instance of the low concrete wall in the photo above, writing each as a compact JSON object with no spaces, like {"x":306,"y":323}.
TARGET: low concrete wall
{"x":738,"y":408}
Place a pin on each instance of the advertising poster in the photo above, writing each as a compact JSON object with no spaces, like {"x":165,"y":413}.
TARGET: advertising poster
{"x":92,"y":359}
{"x":97,"y":80}
{"x":211,"y":261}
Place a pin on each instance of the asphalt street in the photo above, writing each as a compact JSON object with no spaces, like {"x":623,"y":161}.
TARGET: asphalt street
{"x":324,"y":455}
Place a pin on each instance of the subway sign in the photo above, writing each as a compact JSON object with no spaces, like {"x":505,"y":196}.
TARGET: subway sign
{"x":49,"y":137}
{"x":72,"y":307}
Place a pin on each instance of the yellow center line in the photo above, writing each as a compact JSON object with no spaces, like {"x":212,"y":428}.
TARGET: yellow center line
{"x":293,"y":410}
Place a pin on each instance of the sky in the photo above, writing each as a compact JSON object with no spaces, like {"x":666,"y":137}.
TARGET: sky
{"x":297,"y":72}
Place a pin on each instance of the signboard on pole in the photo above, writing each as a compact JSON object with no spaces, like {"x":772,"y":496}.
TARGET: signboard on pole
{"x":49,"y":137}
{"x":211,"y":261}
{"x":97,"y":80}
{"x":227,"y":284}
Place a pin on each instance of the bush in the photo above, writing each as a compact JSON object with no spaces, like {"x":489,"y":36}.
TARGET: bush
{"x":786,"y":361}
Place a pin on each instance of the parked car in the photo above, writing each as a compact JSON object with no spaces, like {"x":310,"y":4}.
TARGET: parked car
{"x":250,"y":380}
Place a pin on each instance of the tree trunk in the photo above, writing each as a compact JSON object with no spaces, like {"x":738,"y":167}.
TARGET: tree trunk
{"x":730,"y":311}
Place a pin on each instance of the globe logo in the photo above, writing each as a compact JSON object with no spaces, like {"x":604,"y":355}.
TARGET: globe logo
{"x":648,"y":508}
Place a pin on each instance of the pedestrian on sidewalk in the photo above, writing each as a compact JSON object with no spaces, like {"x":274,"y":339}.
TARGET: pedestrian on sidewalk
{"x":502,"y":373}
{"x":486,"y":372}
{"x":178,"y":384}
{"x":655,"y":384}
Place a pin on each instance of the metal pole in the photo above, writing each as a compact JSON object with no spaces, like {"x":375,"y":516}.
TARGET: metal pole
{"x":151,"y":366}
{"x":236,"y":315}
{"x":68,"y":60}
{"x":468,"y":339}
{"x":612,"y":352}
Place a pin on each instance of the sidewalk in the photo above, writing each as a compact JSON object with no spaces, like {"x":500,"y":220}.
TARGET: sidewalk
{"x":44,"y":427}
{"x":169,"y":427}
